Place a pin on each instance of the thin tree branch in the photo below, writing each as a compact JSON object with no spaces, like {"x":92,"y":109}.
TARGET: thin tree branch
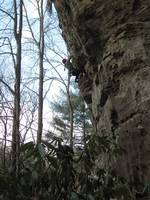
{"x":28,"y":21}
{"x":8,"y":87}
{"x":4,"y":11}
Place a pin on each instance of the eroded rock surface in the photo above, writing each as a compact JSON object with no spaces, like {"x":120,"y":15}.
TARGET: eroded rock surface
{"x":110,"y":44}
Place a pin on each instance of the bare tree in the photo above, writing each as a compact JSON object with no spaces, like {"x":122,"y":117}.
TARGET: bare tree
{"x":39,"y":41}
{"x":14,"y":42}
{"x":41,"y":73}
{"x":18,"y":22}
{"x":4,"y":118}
{"x":12,"y":45}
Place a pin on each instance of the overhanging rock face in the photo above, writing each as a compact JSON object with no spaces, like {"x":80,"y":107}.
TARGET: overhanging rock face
{"x":110,"y":44}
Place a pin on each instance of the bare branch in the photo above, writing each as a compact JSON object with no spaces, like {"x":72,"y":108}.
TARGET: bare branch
{"x":8,"y":87}
{"x":4,"y":11}
{"x":28,"y":21}
{"x":62,"y":80}
{"x":6,"y":53}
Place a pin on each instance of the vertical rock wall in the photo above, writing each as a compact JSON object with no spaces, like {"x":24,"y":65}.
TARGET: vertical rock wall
{"x":110,"y":44}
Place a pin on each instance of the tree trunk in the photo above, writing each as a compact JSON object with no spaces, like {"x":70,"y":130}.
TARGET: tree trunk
{"x":84,"y":130}
{"x":41,"y":75}
{"x":109,"y":42}
{"x":70,"y":110}
{"x":16,"y":111}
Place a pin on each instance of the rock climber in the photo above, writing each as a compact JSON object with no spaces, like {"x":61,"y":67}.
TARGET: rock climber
{"x":73,"y":71}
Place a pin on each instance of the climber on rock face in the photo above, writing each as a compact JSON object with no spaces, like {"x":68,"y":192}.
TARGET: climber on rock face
{"x":73,"y":71}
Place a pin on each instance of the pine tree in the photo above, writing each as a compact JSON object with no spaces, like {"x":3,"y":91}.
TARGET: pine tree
{"x":61,"y":119}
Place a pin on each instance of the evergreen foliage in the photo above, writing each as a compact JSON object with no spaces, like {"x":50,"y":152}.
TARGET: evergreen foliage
{"x":53,"y":170}
{"x":81,"y":115}
{"x":47,"y":172}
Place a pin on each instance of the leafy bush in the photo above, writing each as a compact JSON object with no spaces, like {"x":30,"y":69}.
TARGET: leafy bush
{"x":53,"y":171}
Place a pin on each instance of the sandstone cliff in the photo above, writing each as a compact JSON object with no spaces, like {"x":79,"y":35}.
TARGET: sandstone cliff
{"x":110,"y":44}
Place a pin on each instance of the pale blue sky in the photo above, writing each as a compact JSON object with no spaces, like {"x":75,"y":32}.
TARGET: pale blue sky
{"x":54,"y":42}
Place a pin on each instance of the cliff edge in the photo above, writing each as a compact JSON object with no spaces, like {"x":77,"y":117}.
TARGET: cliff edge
{"x":110,"y":45}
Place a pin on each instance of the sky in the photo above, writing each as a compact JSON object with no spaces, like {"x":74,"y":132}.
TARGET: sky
{"x":54,"y":42}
